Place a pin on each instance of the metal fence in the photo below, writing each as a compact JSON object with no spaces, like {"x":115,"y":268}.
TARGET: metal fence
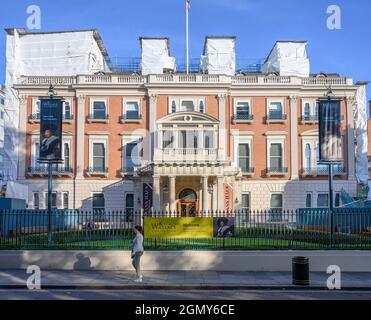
{"x":253,"y":230}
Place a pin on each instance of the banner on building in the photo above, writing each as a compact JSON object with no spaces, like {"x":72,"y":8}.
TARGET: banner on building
{"x":147,"y":197}
{"x":50,"y":129}
{"x":228,"y":197}
{"x":330,"y":130}
{"x":189,"y":227}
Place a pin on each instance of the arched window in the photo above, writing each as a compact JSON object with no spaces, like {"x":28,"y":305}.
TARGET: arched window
{"x":201,"y":107}
{"x":308,"y":152}
{"x":173,"y":107}
{"x":187,"y":194}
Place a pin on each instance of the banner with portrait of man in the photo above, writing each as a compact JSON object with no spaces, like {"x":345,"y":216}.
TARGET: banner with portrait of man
{"x":330,"y":146}
{"x":50,"y":129}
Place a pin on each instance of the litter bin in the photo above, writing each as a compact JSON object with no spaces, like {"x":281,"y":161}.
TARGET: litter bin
{"x":300,"y":271}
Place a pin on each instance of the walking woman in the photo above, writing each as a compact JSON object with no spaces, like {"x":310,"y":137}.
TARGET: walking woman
{"x":137,"y":252}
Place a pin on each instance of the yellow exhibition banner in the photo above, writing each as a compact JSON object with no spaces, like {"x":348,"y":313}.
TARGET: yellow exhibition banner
{"x":197,"y":227}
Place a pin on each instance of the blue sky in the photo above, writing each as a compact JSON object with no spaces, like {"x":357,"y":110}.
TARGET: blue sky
{"x":256,"y":23}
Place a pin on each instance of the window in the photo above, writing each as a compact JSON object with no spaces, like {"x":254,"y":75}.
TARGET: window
{"x":308,"y":200}
{"x":98,"y":202}
{"x":245,"y":203}
{"x":132,"y":156}
{"x":201,"y":106}
{"x":275,"y":156}
{"x":310,"y":110}
{"x":36,"y":110}
{"x":244,"y":157}
{"x":187,"y":105}
{"x":99,"y":110}
{"x":308,"y":157}
{"x":276,"y":207}
{"x":99,"y":156}
{"x":67,"y":110}
{"x":168,"y":139}
{"x":36,"y":154}
{"x":129,"y":206}
{"x":322,"y":200}
{"x":173,"y":106}
{"x":208,"y":139}
{"x":275,"y":110}
{"x":54,"y":200}
{"x":36,"y":201}
{"x":242,"y":110}
{"x":306,"y":110}
{"x":132,"y":110}
{"x":188,"y":139}
{"x":320,"y":167}
{"x":337,"y":200}
{"x":65,"y":200}
{"x":66,"y":155}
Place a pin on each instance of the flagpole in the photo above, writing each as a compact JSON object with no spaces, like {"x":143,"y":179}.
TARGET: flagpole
{"x":187,"y":37}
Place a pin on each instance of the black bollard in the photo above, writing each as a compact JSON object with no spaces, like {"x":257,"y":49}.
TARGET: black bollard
{"x":300,"y":271}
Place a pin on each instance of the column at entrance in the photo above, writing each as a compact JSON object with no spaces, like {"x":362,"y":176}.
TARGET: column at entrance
{"x":204,"y":193}
{"x":172,"y":201}
{"x":156,"y":193}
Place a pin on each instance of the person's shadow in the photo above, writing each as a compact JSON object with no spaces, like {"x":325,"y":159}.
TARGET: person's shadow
{"x":82,"y":263}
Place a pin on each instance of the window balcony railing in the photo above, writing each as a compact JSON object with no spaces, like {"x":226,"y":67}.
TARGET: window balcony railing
{"x":242,"y":117}
{"x":248,"y":171}
{"x":101,"y":171}
{"x":309,"y":119}
{"x":130,"y":118}
{"x":68,"y":117}
{"x":98,"y":117}
{"x":271,"y":171}
{"x":34,"y":118}
{"x":186,"y":154}
{"x":56,"y":170}
{"x":323,"y":171}
{"x":276,"y":117}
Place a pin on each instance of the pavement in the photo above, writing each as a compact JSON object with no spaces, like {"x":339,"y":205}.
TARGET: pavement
{"x":178,"y":280}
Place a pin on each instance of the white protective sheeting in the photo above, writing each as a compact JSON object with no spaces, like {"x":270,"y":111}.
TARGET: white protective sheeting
{"x":219,"y":56}
{"x":16,"y":190}
{"x":288,"y":59}
{"x":43,"y":54}
{"x":156,"y":56}
{"x":360,"y":121}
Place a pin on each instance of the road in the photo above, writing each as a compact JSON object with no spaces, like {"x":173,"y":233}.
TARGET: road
{"x":183,"y":295}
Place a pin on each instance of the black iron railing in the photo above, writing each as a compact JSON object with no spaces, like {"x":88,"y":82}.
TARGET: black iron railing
{"x":248,"y":230}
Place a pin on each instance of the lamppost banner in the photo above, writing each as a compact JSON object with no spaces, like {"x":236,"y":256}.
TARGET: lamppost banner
{"x":330,"y":146}
{"x":50,"y":129}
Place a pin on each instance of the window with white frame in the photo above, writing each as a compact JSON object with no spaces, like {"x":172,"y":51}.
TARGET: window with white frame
{"x":67,"y":110}
{"x":188,"y":139}
{"x":201,"y":106}
{"x":132,"y":155}
{"x":308,"y":156}
{"x":36,"y":107}
{"x":168,"y":139}
{"x":132,"y":109}
{"x":35,"y":155}
{"x":99,"y":110}
{"x":245,"y":203}
{"x":98,"y":161}
{"x":129,"y":206}
{"x":54,"y":200}
{"x":98,"y":202}
{"x":36,"y":200}
{"x":276,"y":205}
{"x":244,"y":156}
{"x":322,"y":200}
{"x":209,"y":139}
{"x":65,"y":200}
{"x":66,"y":154}
{"x":242,"y":110}
{"x":308,"y":200}
{"x":309,"y":110}
{"x":187,"y":106}
{"x":275,"y":110}
{"x":276,"y":156}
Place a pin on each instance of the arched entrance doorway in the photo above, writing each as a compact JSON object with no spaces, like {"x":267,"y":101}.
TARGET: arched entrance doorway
{"x":188,"y":203}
